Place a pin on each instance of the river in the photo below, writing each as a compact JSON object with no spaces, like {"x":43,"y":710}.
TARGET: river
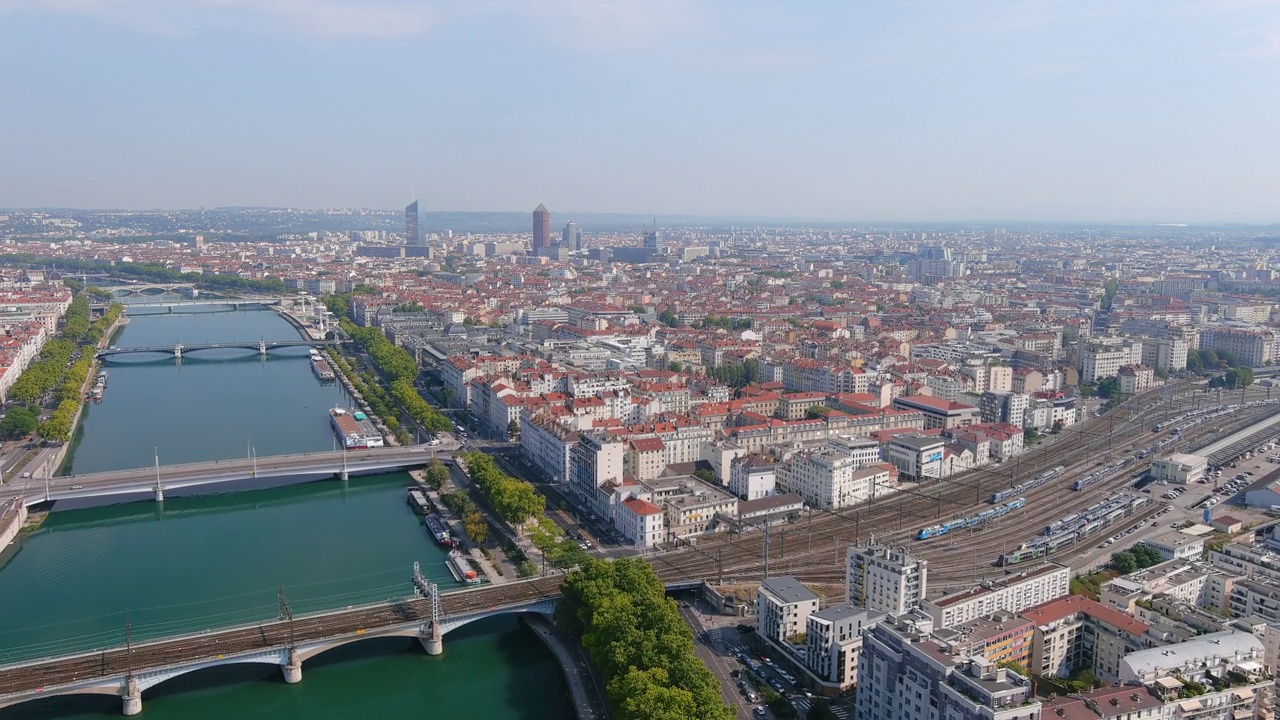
{"x":209,"y":561}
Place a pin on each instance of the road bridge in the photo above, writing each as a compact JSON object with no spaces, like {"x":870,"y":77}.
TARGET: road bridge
{"x":146,"y":288}
{"x":217,"y":476}
{"x":177,"y":350}
{"x":287,"y":641}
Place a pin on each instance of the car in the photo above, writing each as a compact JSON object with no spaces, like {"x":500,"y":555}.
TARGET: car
{"x":735,"y":673}
{"x":26,"y":474}
{"x":759,"y":712}
{"x":76,"y":487}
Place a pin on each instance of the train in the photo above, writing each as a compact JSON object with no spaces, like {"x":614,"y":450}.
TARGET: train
{"x":1101,"y":474}
{"x":1075,"y":527}
{"x":1026,"y":486}
{"x":972,"y":521}
{"x":1198,"y":416}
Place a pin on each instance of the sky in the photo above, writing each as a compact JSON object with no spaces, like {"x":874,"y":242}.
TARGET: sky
{"x":865,"y":110}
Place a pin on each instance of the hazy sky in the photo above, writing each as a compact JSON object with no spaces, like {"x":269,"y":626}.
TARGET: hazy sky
{"x":1127,"y":110}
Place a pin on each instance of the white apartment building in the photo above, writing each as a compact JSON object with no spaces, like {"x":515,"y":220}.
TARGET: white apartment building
{"x":1012,"y":593}
{"x":886,"y":579}
{"x":1103,"y":358}
{"x":593,"y":461}
{"x":828,"y":479}
{"x":1252,"y":347}
{"x":1135,"y":379}
{"x":752,"y":477}
{"x":833,"y":638}
{"x":640,"y":522}
{"x":547,"y":444}
{"x":1167,"y":354}
{"x":783,"y":607}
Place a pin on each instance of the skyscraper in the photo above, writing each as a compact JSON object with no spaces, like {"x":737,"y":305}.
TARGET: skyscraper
{"x":541,"y":228}
{"x":571,"y":236}
{"x":412,"y":234}
{"x":652,"y":240}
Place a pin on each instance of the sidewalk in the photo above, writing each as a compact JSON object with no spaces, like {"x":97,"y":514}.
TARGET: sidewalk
{"x":586,"y":695}
{"x":489,"y":567}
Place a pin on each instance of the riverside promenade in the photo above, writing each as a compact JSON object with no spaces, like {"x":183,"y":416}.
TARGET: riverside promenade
{"x":583,"y":689}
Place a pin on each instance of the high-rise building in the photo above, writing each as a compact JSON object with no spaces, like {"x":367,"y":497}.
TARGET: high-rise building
{"x":412,"y":233}
{"x":571,"y":236}
{"x":541,"y":228}
{"x":886,"y":579}
{"x":652,"y":239}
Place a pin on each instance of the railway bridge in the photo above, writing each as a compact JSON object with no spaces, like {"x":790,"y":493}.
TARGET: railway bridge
{"x":287,"y":641}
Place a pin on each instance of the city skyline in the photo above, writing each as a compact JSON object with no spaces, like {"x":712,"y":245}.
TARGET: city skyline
{"x":931,"y":112}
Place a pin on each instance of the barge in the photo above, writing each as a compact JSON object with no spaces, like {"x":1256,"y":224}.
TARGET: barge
{"x":321,"y":367}
{"x":439,"y":531}
{"x":354,"y":429}
{"x":463,"y":569}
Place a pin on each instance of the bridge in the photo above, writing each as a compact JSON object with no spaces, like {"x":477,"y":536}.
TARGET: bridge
{"x":219,"y":475}
{"x":232,"y":304}
{"x":287,"y":641}
{"x":147,"y":288}
{"x":177,"y":350}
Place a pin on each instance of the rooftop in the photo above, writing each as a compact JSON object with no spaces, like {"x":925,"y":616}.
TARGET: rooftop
{"x":787,"y":589}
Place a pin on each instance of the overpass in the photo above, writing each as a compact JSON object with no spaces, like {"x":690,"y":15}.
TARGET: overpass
{"x":218,"y":476}
{"x":177,"y":350}
{"x":232,"y":304}
{"x":287,"y":641}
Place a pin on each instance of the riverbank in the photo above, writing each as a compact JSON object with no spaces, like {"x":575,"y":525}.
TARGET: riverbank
{"x":588,"y":698}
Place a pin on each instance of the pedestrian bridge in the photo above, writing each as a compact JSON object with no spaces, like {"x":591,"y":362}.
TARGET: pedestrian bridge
{"x":288,"y":642}
{"x":177,"y":350}
{"x":220,"y":475}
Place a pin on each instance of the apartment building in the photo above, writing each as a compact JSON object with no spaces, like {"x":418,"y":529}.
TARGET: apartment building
{"x":752,"y":477}
{"x":906,"y":674}
{"x":833,"y":639}
{"x":1073,"y":633}
{"x":1103,"y":357}
{"x":1252,"y":347}
{"x":831,"y":480}
{"x":887,"y":579}
{"x":939,"y":414}
{"x":1012,"y":593}
{"x":783,"y":607}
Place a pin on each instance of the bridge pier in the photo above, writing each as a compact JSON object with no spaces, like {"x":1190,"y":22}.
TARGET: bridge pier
{"x":292,"y":669}
{"x":131,"y":696}
{"x":177,"y":349}
{"x":159,"y":494}
{"x":433,"y":641}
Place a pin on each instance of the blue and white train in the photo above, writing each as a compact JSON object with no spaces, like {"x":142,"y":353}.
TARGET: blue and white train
{"x":982,"y":517}
{"x":1073,"y":528}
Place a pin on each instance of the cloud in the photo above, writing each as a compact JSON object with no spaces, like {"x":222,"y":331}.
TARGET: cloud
{"x":1052,"y":69}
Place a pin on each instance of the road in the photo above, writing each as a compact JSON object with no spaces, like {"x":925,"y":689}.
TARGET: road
{"x":717,"y":648}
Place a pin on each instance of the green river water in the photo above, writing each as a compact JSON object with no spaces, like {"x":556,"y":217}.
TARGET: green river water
{"x":217,"y":560}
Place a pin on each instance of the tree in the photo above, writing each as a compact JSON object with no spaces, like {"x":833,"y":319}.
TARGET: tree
{"x":437,"y":474}
{"x":18,"y":422}
{"x":675,"y":366}
{"x":816,"y":411}
{"x":1108,"y":387}
{"x":446,"y":396}
{"x":513,"y":428}
{"x":476,"y":527}
{"x":667,"y":317}
{"x":1057,"y":427}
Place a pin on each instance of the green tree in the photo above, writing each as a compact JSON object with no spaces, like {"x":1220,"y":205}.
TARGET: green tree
{"x":675,"y":366}
{"x":667,"y":317}
{"x":476,"y":526}
{"x":816,"y":411}
{"x":436,"y":475}
{"x":513,"y":428}
{"x":18,"y":422}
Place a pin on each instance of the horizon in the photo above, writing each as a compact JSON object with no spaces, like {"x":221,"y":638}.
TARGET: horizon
{"x":1084,"y":112}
